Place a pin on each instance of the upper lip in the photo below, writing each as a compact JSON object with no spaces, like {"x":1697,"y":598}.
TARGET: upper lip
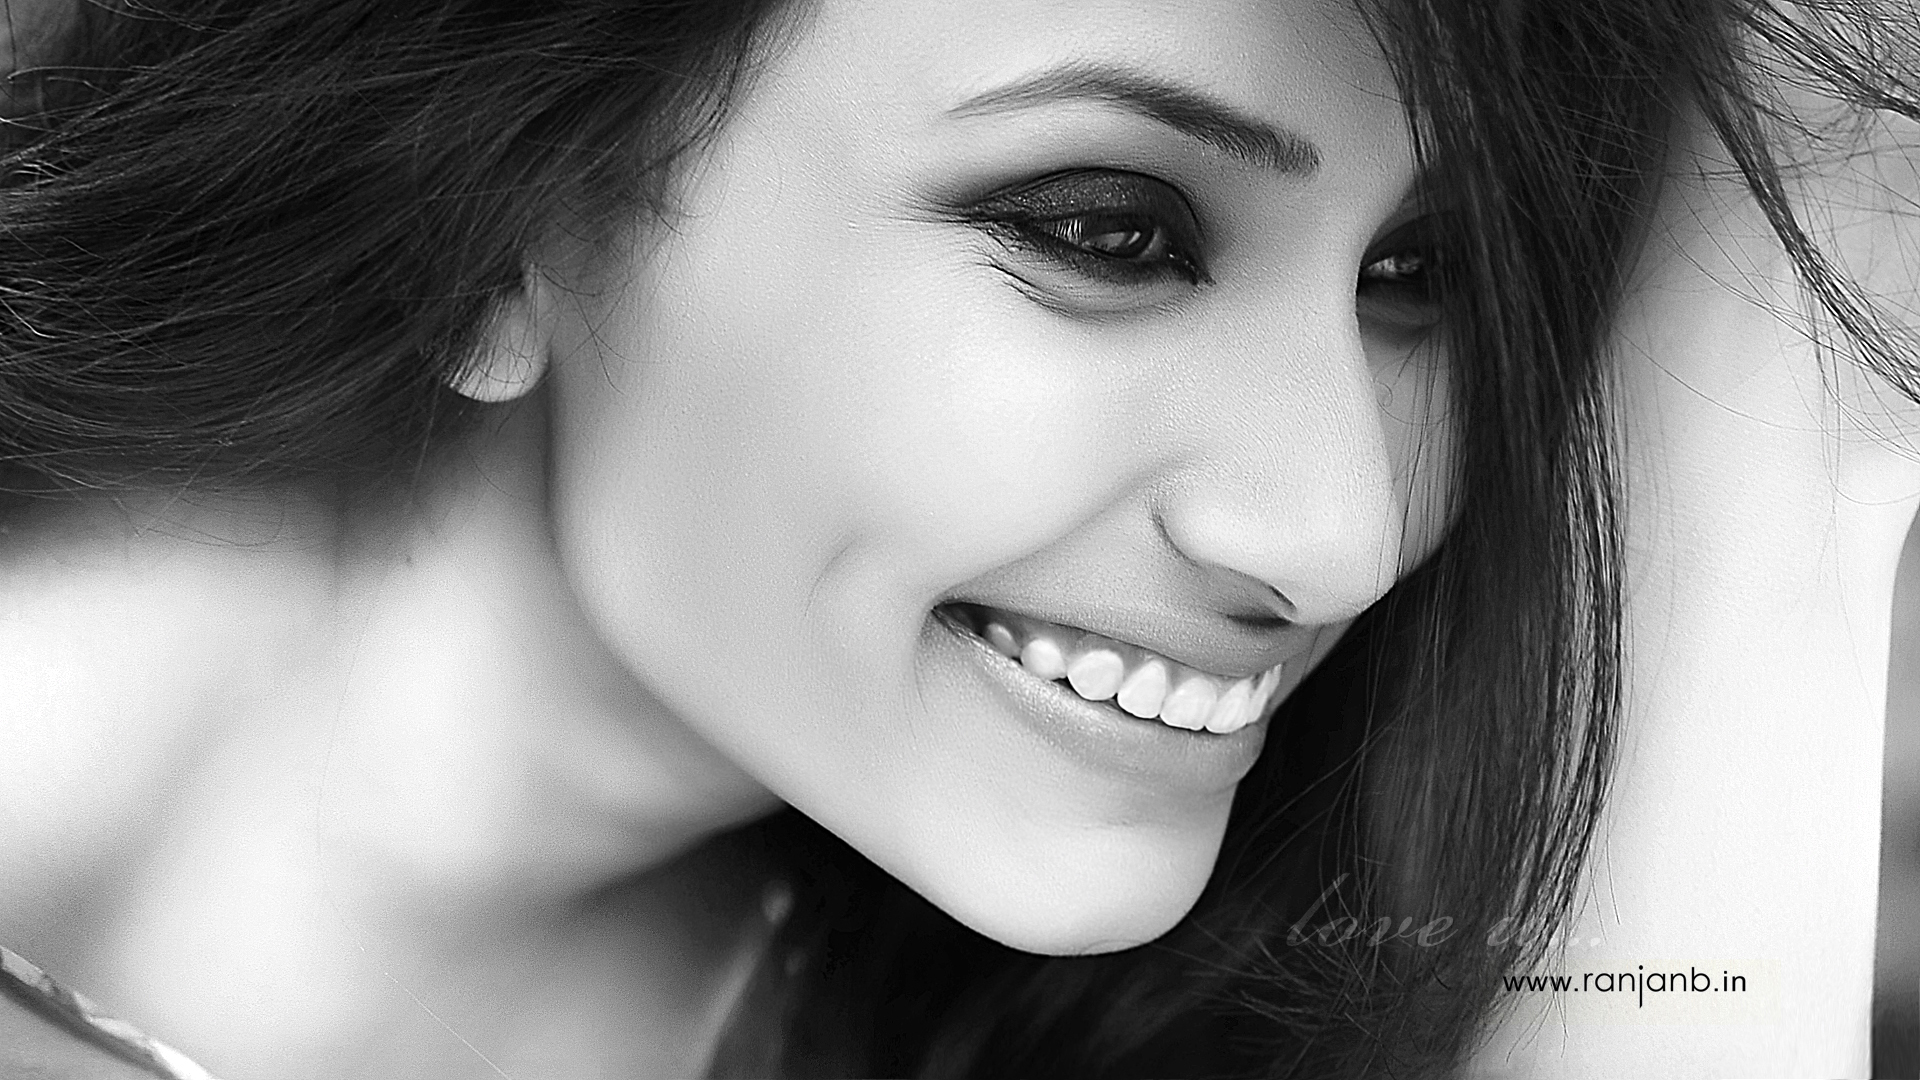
{"x":1228,"y":646}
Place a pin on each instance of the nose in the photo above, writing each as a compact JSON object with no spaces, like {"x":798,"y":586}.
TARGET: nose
{"x":1293,"y":492}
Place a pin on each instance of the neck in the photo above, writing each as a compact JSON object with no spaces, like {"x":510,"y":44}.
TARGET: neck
{"x":359,"y":786}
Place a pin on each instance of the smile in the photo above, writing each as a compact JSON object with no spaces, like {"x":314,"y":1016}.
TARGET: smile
{"x":1138,"y":681}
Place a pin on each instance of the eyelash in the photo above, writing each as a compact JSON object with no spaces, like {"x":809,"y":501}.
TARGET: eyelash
{"x":1063,"y":216}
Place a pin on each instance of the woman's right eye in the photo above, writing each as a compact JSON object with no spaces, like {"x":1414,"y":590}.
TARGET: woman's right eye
{"x":1134,"y":238}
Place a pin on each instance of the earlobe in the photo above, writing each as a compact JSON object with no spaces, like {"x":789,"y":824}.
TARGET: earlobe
{"x":511,"y":356}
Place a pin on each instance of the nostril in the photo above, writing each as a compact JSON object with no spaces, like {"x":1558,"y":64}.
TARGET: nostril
{"x":1259,"y":623}
{"x":1285,"y":610}
{"x":1249,"y":602}
{"x":1240,"y":597}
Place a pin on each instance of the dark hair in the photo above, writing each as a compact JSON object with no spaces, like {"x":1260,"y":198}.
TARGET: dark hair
{"x":247,"y":241}
{"x":1864,"y":54}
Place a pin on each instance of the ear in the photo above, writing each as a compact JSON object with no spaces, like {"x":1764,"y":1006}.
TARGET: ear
{"x":513,"y":350}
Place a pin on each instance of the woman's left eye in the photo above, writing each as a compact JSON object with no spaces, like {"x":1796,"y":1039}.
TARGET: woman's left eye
{"x":1410,"y":270}
{"x":1402,"y":276}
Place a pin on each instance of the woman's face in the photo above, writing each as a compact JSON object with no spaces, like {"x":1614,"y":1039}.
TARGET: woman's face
{"x":996,"y":339}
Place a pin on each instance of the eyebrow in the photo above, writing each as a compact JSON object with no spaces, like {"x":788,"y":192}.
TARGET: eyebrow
{"x":1185,"y":109}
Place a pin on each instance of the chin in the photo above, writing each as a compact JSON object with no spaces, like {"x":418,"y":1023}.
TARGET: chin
{"x":1083,"y":891}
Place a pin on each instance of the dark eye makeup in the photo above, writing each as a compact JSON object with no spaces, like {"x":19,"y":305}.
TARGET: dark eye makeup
{"x":1113,"y":229}
{"x":1111,"y":225}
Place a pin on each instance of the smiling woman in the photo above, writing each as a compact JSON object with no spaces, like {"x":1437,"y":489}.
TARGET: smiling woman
{"x":604,"y":538}
{"x":1033,"y":371}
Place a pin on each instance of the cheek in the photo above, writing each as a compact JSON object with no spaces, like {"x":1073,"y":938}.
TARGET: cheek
{"x":761,"y":490}
{"x":877,"y":405}
{"x":782,"y":478}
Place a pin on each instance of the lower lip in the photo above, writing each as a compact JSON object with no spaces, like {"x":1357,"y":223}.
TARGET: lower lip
{"x":1098,"y":735}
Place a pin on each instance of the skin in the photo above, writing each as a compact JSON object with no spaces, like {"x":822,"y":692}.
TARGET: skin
{"x":1743,"y":835}
{"x":311,"y":791}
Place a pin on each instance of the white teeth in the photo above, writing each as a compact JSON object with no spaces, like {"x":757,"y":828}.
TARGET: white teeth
{"x":1263,"y":691}
{"x":1002,"y":640}
{"x":1144,"y":685}
{"x":1096,"y":674}
{"x":1230,"y":712}
{"x":1043,"y":659}
{"x":1187,"y":707}
{"x":1145,"y":690}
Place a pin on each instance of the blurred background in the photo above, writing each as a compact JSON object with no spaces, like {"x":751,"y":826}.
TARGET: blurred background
{"x":1896,"y":1029}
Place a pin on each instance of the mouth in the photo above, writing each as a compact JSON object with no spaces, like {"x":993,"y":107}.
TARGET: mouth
{"x":1134,"y":682}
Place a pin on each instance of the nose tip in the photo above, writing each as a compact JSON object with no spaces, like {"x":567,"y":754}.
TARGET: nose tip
{"x":1307,"y":549}
{"x":1290,"y":495}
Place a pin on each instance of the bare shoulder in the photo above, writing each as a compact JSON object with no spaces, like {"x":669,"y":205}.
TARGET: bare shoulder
{"x":92,"y":597}
{"x":121,"y":638}
{"x":1766,"y":496}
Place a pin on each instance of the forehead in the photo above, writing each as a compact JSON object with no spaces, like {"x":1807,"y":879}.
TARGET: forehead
{"x":910,"y":67}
